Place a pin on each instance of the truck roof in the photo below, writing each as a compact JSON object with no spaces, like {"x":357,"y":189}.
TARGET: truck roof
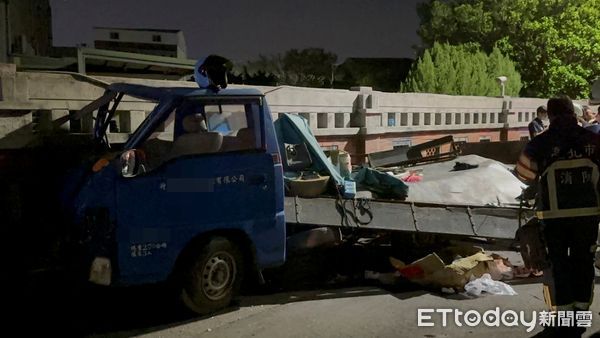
{"x":156,"y":93}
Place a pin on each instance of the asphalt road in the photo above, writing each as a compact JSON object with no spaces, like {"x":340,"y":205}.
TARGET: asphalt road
{"x":357,"y":312}
{"x":307,"y":302}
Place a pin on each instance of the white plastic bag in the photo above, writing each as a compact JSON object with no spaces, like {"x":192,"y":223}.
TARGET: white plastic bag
{"x":485,"y":283}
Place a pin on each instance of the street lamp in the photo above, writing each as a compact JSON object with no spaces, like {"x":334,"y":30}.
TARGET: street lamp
{"x":333,"y":68}
{"x":502,"y":80}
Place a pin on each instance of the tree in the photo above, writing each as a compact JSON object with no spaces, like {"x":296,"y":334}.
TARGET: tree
{"x":555,"y":44}
{"x":381,"y":74}
{"x":266,"y":71}
{"x":310,"y":67}
{"x":422,"y":77}
{"x":461,"y":70}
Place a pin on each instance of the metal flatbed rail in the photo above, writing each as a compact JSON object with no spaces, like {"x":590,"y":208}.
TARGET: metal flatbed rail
{"x":472,"y":221}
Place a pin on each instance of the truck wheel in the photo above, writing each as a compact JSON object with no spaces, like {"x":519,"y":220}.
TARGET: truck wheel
{"x":213,"y":278}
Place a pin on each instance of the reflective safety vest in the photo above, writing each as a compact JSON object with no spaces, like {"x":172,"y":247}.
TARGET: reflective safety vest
{"x":569,"y":188}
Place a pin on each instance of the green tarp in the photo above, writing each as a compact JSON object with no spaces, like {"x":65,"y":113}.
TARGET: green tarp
{"x":294,"y":129}
{"x":384,"y":185}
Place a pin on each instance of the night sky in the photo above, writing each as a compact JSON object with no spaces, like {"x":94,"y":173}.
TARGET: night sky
{"x":243,"y":29}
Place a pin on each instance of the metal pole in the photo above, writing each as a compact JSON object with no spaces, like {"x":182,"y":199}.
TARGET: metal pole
{"x":80,"y":61}
{"x":332,"y":74}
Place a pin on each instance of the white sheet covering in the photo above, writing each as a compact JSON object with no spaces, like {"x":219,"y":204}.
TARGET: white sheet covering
{"x":490,"y":184}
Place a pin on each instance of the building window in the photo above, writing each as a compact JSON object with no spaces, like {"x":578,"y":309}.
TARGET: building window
{"x":427,"y":121}
{"x":339,"y":120}
{"x":403,"y":119}
{"x":467,"y":118}
{"x":457,"y":119}
{"x":438,"y":119}
{"x":156,"y":38}
{"x":401,"y":143}
{"x":520,"y":117}
{"x":448,"y":118}
{"x":322,"y":120}
{"x":501,"y":118}
{"x":485,"y":139}
{"x":483,"y":117}
{"x":476,"y":118}
{"x":415,"y":121}
{"x":526,"y":116}
{"x":492,"y":118}
{"x":461,"y":139}
{"x":391,"y":119}
{"x":114,"y":35}
{"x":524,"y":138}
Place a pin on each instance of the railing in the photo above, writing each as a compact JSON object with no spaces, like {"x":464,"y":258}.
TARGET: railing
{"x":30,"y":102}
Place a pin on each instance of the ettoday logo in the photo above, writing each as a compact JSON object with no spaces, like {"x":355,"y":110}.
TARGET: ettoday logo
{"x":509,"y":318}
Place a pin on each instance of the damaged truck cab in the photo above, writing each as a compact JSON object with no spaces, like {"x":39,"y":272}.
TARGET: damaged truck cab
{"x":195,"y":195}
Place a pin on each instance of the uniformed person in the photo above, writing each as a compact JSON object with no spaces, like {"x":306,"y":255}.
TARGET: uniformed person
{"x":563,"y":162}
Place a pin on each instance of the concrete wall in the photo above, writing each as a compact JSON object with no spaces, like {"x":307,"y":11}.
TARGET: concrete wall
{"x":359,"y":120}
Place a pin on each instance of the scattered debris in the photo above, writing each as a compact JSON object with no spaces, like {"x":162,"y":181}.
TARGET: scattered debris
{"x":500,"y":268}
{"x":412,"y":176}
{"x":525,"y":272}
{"x":486,"y":284}
{"x":448,"y":290}
{"x":463,"y":166}
{"x":468,"y":264}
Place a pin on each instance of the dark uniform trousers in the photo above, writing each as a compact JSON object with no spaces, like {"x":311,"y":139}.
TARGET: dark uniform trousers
{"x":571,"y":243}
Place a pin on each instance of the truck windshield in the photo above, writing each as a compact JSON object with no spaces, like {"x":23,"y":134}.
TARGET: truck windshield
{"x":198,"y":126}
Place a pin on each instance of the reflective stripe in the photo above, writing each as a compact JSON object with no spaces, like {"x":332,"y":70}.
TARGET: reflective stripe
{"x":554,"y":211}
{"x":576,"y":212}
{"x":568,"y":307}
{"x":551,"y":306}
{"x":547,"y":298}
{"x":581,"y":306}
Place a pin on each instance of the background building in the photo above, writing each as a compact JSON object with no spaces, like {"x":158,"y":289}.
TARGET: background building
{"x":161,"y":42}
{"x":25,"y":28}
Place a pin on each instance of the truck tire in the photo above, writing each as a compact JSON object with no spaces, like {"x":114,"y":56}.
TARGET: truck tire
{"x":213,"y":278}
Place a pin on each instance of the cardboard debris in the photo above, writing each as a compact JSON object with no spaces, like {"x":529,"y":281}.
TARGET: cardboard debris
{"x":397,"y":264}
{"x":465,"y":263}
{"x":432,"y":271}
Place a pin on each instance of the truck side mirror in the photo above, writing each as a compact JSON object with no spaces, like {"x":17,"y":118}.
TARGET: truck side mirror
{"x":132,"y":163}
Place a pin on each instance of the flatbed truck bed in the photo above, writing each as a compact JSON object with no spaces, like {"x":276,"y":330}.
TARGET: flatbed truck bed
{"x":392,"y":215}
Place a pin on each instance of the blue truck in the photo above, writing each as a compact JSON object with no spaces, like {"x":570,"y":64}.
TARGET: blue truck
{"x":197,"y":196}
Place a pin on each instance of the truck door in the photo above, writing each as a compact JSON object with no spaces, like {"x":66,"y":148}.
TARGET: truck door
{"x":206,"y":170}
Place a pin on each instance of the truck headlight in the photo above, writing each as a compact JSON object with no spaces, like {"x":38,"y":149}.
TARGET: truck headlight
{"x":101,"y":271}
